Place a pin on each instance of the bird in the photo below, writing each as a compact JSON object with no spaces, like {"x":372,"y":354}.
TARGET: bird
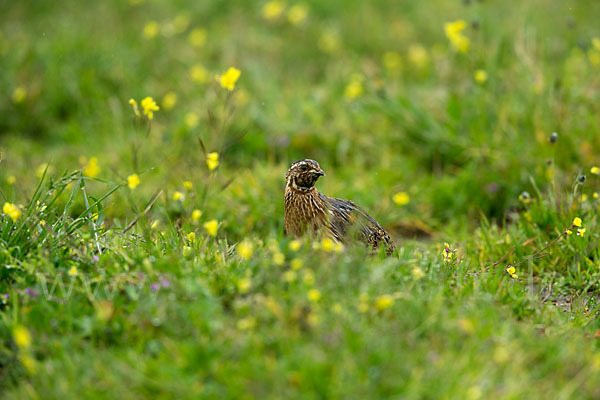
{"x":307,"y":211}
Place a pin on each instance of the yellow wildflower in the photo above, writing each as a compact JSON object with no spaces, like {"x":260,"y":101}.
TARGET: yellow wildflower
{"x":314,"y":295}
{"x":384,"y":301}
{"x":418,"y":56}
{"x":296,"y":263}
{"x":244,"y":285}
{"x":290,"y":276}
{"x":295,"y":245}
{"x":278,"y":258}
{"x":595,"y":195}
{"x":297,"y":14}
{"x":154,"y":224}
{"x":19,"y":94}
{"x":246,"y":324}
{"x":354,"y":87}
{"x":186,"y":251}
{"x":512,"y":272}
{"x":584,"y":197}
{"x":212,"y":160}
{"x":480,"y":76}
{"x":313,"y":319}
{"x":11,"y":180}
{"x":569,"y":232}
{"x":191,"y":237}
{"x":448,"y":253}
{"x":401,"y":198}
{"x":577,"y":222}
{"x":525,"y":197}
{"x":197,"y":37}
{"x":392,"y":60}
{"x":211,"y":227}
{"x":191,"y":120}
{"x":73,"y":271}
{"x":196,"y":214}
{"x":149,"y":106}
{"x":92,"y":169}
{"x":417,"y":273}
{"x":169,"y":100}
{"x":133,"y":181}
{"x":178,"y":196}
{"x":327,"y":244}
{"x":272,"y":10}
{"x":337,"y":308}
{"x":453,"y":32}
{"x":22,"y":337}
{"x":198,"y":73}
{"x":245,"y":249}
{"x":134,"y":105}
{"x":150,"y":29}
{"x":188,"y":185}
{"x":595,"y":170}
{"x":229,"y":78}
{"x":581,"y":231}
{"x":338,"y":248}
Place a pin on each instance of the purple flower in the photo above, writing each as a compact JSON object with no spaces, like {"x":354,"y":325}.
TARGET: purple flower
{"x":154,"y":287}
{"x":141,"y":275}
{"x":165,"y":283}
{"x":31,"y":292}
{"x":6,"y":296}
{"x":96,"y":258}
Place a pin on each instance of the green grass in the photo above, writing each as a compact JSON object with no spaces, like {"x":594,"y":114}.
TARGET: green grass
{"x":104,"y":293}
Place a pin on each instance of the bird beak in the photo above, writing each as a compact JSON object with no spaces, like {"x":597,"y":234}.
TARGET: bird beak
{"x":319,"y":172}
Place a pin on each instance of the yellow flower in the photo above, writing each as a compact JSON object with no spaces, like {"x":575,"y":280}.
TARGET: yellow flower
{"x":511,"y":271}
{"x":569,"y":232}
{"x":154,"y":224}
{"x":296,"y":263}
{"x":19,"y":94}
{"x":584,"y":197}
{"x":73,"y":271}
{"x":272,"y":10}
{"x":577,"y":222}
{"x":392,"y":60}
{"x":401,"y":198}
{"x":11,"y":180}
{"x":581,"y":231}
{"x":188,"y":185}
{"x":448,"y":253}
{"x":229,"y":78}
{"x":169,"y":100}
{"x":417,"y":273}
{"x":246,"y":324}
{"x":212,"y":160}
{"x":191,"y":120}
{"x":134,"y":105}
{"x":149,"y":106}
{"x":327,"y":244}
{"x":595,"y":170}
{"x":92,"y":169}
{"x":197,"y":37}
{"x":596,"y":43}
{"x":133,"y":181}
{"x":297,"y":14}
{"x":295,"y":245}
{"x":454,"y":33}
{"x":245,"y":249}
{"x":314,"y":295}
{"x":354,"y":87}
{"x":525,"y":197}
{"x":244,"y":285}
{"x":337,"y":308}
{"x":338,"y":248}
{"x":384,"y":301}
{"x":211,"y":227}
{"x":480,"y":76}
{"x":12,"y":211}
{"x":150,"y":29}
{"x":22,"y":337}
{"x":198,"y":73}
{"x":186,"y":251}
{"x":278,"y":258}
{"x":418,"y":56}
{"x":196,"y":214}
{"x":178,"y":196}
{"x":191,"y":237}
{"x":290,"y":276}
{"x":595,"y":195}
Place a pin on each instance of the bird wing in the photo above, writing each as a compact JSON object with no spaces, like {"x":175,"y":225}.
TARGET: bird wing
{"x":347,"y":219}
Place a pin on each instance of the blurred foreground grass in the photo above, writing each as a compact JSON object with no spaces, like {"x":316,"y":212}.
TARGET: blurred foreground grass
{"x":150,"y":261}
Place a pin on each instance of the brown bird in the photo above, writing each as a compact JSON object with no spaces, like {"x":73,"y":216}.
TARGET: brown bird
{"x":308,"y":211}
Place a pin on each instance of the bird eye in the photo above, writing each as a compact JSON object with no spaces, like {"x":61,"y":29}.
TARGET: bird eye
{"x":303,"y":168}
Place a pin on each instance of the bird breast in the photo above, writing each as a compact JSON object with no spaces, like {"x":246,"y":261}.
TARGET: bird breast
{"x":303,"y":210}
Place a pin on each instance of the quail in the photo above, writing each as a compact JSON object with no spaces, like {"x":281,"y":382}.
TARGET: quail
{"x":307,"y":211}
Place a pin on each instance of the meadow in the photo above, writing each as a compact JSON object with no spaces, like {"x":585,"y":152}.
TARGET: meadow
{"x":143,"y":151}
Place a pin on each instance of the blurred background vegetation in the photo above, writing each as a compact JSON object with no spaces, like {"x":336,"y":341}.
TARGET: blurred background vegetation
{"x":435,"y":116}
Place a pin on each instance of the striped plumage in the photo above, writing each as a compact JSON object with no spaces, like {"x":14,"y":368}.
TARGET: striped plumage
{"x":308,"y":211}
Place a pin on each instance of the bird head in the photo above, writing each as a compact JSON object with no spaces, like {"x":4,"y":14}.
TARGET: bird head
{"x":303,"y":174}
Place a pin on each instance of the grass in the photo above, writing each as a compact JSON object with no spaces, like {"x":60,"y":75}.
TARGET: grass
{"x":185,"y":287}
